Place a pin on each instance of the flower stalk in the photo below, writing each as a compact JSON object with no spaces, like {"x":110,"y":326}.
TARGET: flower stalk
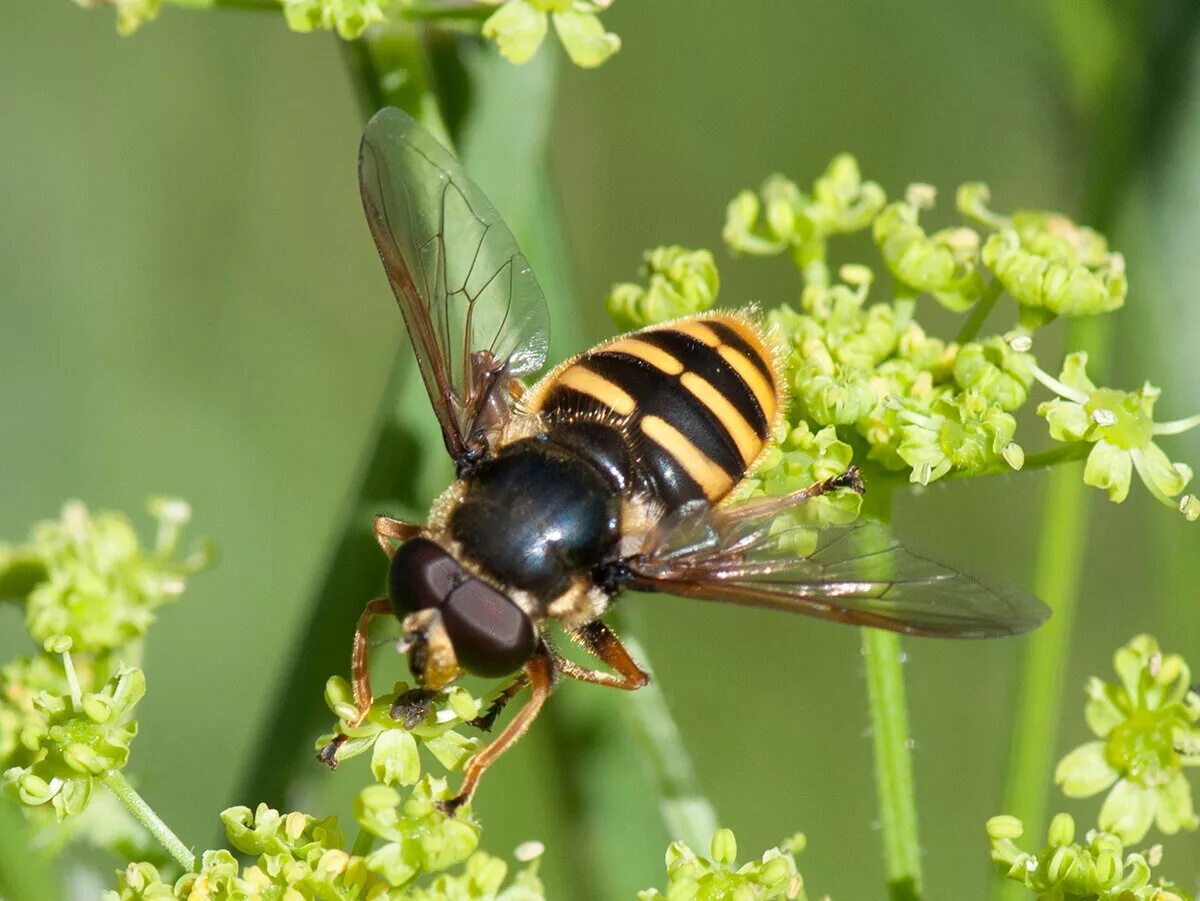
{"x":116,"y":782}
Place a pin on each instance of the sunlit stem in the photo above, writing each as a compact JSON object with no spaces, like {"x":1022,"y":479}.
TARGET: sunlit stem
{"x":888,"y":706}
{"x":116,"y":782}
{"x":1058,"y":387}
{"x":1176,"y":426}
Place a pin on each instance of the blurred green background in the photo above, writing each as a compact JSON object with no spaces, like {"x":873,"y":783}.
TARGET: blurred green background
{"x":190,"y":304}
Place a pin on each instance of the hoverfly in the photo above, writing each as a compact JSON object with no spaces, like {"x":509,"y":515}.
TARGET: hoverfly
{"x":612,"y":472}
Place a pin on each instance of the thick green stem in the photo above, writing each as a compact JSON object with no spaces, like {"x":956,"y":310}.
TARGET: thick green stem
{"x":893,"y":763}
{"x":888,"y":706}
{"x":144,"y":814}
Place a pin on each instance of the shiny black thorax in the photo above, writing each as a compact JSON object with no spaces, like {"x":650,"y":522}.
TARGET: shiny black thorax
{"x":542,"y":513}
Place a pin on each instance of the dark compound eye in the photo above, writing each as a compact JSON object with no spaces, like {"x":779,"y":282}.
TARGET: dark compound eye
{"x":490,"y":634}
{"x":422,"y":575}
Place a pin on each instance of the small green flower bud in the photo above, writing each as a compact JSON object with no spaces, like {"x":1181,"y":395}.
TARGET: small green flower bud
{"x":997,"y":371}
{"x":395,"y":759}
{"x":943,"y":264}
{"x":1062,"y":829}
{"x":681,"y":282}
{"x":724,"y":847}
{"x":1005,"y":826}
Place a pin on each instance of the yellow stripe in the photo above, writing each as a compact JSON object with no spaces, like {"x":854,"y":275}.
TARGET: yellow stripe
{"x":746,"y":333}
{"x":697,"y":330}
{"x":753,"y":378}
{"x":596,"y":386}
{"x":747,"y":440}
{"x":655,"y":356}
{"x":712,"y":479}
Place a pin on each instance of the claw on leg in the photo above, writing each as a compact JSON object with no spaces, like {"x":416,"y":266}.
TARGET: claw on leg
{"x":540,"y":672}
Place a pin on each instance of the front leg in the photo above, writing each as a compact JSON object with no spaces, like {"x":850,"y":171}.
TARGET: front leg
{"x":487,"y":719}
{"x":540,"y":673}
{"x":360,"y":677}
{"x":388,"y":530}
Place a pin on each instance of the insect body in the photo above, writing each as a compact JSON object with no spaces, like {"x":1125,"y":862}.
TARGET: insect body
{"x":613,"y":472}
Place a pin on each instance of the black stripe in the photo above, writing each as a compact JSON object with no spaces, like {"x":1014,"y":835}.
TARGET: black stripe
{"x":563,"y":404}
{"x":729,"y":336}
{"x":661,"y":395}
{"x":703,"y":360}
{"x":670,"y":482}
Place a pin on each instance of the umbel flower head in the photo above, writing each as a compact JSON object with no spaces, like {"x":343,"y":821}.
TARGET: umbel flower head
{"x":1148,"y":724}
{"x":1121,"y":429}
{"x":689,"y":876}
{"x":72,"y":741}
{"x":88,"y":578}
{"x":295,"y":856}
{"x":519,"y":26}
{"x":1096,"y":870}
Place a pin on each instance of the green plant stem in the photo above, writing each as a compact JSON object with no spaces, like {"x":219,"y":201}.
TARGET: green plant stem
{"x":687,"y":813}
{"x":1070,"y":452}
{"x":979,"y":315}
{"x":144,"y":814}
{"x":888,"y":707}
{"x":893,"y":763}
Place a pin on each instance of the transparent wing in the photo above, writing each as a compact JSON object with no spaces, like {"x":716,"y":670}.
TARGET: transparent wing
{"x":856,"y":574}
{"x":473,"y":308}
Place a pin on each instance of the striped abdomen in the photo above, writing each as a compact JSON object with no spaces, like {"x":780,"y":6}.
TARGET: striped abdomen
{"x":681,"y":410}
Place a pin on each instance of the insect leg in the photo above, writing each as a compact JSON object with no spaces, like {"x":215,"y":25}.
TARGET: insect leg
{"x":540,"y":672}
{"x":360,"y":677}
{"x":599,"y":640}
{"x":388,"y":530}
{"x":487,"y":719}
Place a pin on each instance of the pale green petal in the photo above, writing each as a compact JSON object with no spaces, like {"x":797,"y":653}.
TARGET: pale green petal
{"x":1128,"y":811}
{"x":1074,"y":372}
{"x":1085,"y":771}
{"x":584,"y":37}
{"x":518,"y":30}
{"x":1110,"y":468}
{"x":1164,"y":478}
{"x":1102,"y":713}
{"x":1068,"y":421}
{"x":1175,"y":810}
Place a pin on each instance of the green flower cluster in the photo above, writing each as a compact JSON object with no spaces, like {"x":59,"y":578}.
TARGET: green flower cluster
{"x":680,"y":282}
{"x":868,"y":383}
{"x":519,"y":26}
{"x":295,"y":857}
{"x":781,"y":217}
{"x":70,"y":742}
{"x":90,"y":592}
{"x":694,"y":878}
{"x":1046,"y":262}
{"x":394,"y":757}
{"x":1097,"y":870}
{"x":350,"y":18}
{"x":88,"y":578}
{"x":1148,"y":728}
